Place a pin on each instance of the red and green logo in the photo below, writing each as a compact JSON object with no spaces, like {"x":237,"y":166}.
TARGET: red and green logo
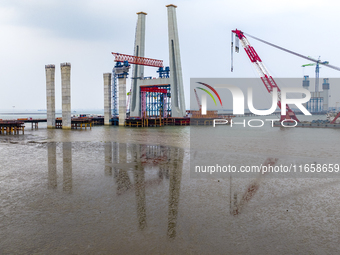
{"x":209,"y":93}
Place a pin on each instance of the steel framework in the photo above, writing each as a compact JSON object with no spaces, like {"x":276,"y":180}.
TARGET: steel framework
{"x":114,"y":93}
{"x":137,"y":60}
{"x":155,"y":100}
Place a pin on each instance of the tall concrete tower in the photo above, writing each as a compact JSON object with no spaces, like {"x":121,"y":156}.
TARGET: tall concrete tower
{"x":325,"y":93}
{"x":107,"y":98}
{"x":50,"y":95}
{"x":138,"y":70}
{"x":66,"y":94}
{"x":176,"y":80}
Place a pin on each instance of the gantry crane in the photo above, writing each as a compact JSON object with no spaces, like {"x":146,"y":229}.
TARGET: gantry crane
{"x":121,"y":69}
{"x":266,"y":78}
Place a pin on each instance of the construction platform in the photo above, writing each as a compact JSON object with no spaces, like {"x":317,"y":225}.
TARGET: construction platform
{"x":307,"y":124}
{"x":156,"y":122}
{"x":85,"y":122}
{"x":34,"y":122}
{"x":76,"y":123}
{"x":11,"y":127}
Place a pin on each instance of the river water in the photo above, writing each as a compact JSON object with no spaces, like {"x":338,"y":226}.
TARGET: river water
{"x":114,"y":190}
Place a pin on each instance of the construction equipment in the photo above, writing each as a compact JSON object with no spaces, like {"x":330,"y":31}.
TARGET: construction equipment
{"x":198,"y":101}
{"x":263,"y":72}
{"x":137,"y":60}
{"x":336,"y":117}
{"x":266,"y":78}
{"x":317,"y":68}
{"x":128,"y":101}
{"x":121,"y":69}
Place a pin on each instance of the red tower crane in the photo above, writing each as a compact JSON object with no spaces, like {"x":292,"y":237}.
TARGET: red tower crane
{"x":266,"y":78}
{"x":198,"y":101}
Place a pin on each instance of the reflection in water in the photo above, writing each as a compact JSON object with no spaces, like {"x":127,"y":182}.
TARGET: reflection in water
{"x":52,"y":165}
{"x":108,"y":158}
{"x":139,"y":176}
{"x":133,"y":168}
{"x":236,"y":207}
{"x":67,"y":167}
{"x":139,"y":159}
{"x":175,"y":166}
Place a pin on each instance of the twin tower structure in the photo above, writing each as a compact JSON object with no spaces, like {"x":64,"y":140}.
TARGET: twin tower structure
{"x":172,"y":104}
{"x":66,"y":95}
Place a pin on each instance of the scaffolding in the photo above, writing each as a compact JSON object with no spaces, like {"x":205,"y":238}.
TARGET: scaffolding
{"x":155,"y":101}
{"x":114,"y":94}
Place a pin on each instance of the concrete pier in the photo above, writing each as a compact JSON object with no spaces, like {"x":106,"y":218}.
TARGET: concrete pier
{"x":138,"y":70}
{"x":66,"y":94}
{"x":176,"y":80}
{"x":107,"y":98}
{"x":50,"y":95}
{"x":122,"y":100}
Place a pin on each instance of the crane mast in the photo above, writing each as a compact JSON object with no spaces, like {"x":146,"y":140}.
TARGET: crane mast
{"x":265,"y":76}
{"x":198,"y":101}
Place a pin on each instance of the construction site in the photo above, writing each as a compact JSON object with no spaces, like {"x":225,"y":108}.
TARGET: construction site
{"x":160,"y":101}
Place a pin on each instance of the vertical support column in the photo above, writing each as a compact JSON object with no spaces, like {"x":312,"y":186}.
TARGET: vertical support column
{"x":176,"y":80}
{"x":325,"y":87}
{"x":50,"y":95}
{"x":122,"y":100}
{"x":138,"y":70}
{"x":66,"y":94}
{"x":107,"y":98}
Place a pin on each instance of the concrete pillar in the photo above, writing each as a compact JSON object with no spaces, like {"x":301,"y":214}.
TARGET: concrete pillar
{"x":138,"y":70}
{"x":66,"y":94}
{"x":122,"y":100}
{"x":50,"y":95}
{"x":107,"y":98}
{"x":325,"y":94}
{"x":177,"y":92}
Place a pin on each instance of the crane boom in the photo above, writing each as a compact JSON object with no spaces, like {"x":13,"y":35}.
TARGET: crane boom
{"x":294,"y":53}
{"x":265,"y":76}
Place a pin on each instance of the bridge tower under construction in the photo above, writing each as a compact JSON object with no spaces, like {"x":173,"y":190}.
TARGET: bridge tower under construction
{"x":148,"y":96}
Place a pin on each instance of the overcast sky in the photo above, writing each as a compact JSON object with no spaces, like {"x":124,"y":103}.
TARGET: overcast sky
{"x":39,"y":32}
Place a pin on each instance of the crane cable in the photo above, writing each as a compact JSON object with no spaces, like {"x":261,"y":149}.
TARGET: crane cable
{"x":292,"y":52}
